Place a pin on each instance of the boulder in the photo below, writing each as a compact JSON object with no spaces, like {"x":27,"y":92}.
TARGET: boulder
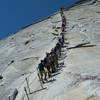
{"x":1,"y":77}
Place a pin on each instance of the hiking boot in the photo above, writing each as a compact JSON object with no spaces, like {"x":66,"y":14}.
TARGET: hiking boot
{"x":45,"y":79}
{"x":43,"y":82}
{"x":49,"y":75}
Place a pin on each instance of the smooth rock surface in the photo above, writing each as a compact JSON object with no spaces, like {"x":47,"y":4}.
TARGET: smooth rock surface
{"x":78,"y":78}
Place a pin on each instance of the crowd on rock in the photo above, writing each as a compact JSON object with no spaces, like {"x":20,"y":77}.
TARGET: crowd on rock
{"x":49,"y":64}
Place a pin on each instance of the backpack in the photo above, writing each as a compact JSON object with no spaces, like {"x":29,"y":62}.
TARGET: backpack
{"x":40,"y":67}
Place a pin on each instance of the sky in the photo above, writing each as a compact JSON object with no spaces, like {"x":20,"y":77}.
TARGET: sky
{"x":16,"y":14}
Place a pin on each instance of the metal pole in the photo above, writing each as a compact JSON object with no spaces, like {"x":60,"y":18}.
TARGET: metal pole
{"x":9,"y":98}
{"x":26,"y":93}
{"x":27,"y":85}
{"x":40,"y":81}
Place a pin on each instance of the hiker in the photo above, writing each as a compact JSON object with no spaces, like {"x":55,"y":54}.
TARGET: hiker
{"x":47,"y":67}
{"x":63,"y":17}
{"x":51,"y":65}
{"x":58,"y":49}
{"x":63,"y":28}
{"x":55,"y":58}
{"x":61,"y":11}
{"x":52,"y":54}
{"x":62,"y":34}
{"x":61,"y":41}
{"x":47,"y":63}
{"x":42,"y":71}
{"x":64,"y":21}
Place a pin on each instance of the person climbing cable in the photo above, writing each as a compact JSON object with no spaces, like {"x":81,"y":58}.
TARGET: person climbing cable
{"x":62,"y":37}
{"x":63,"y":27}
{"x":61,"y":11}
{"x":47,"y":64}
{"x":64,"y":21}
{"x":42,"y":71}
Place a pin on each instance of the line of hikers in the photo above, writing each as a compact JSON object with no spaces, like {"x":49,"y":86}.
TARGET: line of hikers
{"x":49,"y":64}
{"x":63,"y":20}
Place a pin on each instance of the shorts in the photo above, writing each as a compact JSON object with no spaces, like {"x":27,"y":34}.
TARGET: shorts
{"x":42,"y":72}
{"x":46,"y":70}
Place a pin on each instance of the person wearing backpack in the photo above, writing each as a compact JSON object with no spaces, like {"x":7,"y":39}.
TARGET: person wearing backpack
{"x":42,"y":71}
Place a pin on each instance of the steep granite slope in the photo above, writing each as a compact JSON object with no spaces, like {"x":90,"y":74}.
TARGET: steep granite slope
{"x":21,"y":52}
{"x":78,"y":79}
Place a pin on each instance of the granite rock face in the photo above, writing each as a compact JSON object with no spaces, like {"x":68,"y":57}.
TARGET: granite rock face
{"x":78,"y":79}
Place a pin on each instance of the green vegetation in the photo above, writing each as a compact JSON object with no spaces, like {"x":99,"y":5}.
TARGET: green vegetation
{"x":56,"y":30}
{"x":55,"y":34}
{"x":53,"y":27}
{"x":12,"y":62}
{"x":27,"y":42}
